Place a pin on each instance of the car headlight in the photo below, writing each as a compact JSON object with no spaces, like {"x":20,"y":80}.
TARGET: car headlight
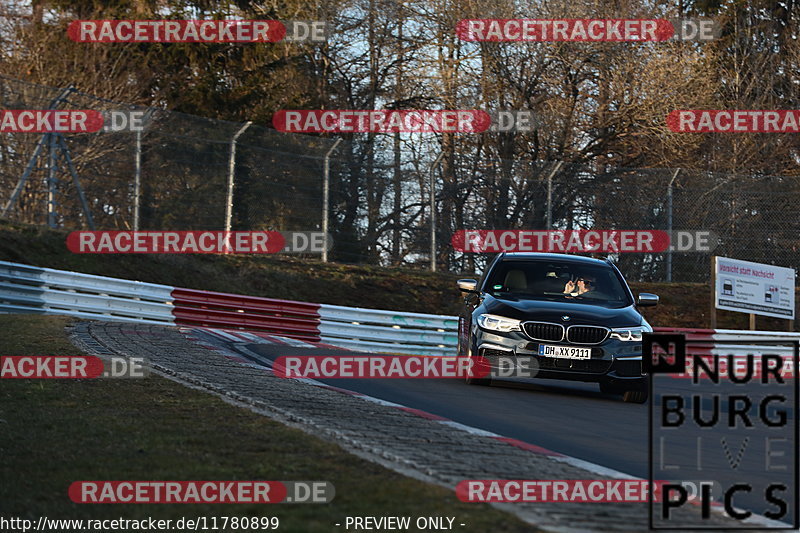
{"x":498,"y":323}
{"x":633,"y":334}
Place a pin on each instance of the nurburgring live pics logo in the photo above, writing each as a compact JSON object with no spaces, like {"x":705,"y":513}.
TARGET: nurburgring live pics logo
{"x":762,"y":415}
{"x":737,"y":368}
{"x":734,"y":121}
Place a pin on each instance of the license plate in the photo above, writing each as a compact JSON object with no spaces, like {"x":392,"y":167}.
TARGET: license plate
{"x":565,"y":352}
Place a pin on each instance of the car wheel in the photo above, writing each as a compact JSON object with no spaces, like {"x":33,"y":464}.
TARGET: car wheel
{"x":477,"y":381}
{"x":635,"y":396}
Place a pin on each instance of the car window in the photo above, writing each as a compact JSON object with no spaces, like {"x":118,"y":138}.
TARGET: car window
{"x":558,"y":281}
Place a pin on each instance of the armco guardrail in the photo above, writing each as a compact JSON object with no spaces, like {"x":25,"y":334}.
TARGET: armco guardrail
{"x":299,"y":320}
{"x":31,"y":289}
{"x":728,"y":339}
{"x":388,"y":331}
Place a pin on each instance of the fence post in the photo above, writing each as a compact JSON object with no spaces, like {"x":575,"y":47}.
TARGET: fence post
{"x":75,"y":180}
{"x":51,"y":191}
{"x":25,"y":174}
{"x":231,"y":172}
{"x":550,"y":195}
{"x":669,"y":223}
{"x":137,"y":179}
{"x":137,"y":170}
{"x":52,"y":180}
{"x":326,"y":188}
{"x":433,"y":211}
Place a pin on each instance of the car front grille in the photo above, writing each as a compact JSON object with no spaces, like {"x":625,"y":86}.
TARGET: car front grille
{"x":543,"y":331}
{"x":587,"y":334}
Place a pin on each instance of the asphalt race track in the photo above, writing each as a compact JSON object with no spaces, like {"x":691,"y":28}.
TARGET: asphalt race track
{"x":575,"y":419}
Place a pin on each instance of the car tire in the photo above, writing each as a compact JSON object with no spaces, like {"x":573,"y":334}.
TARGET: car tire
{"x":635,"y":396}
{"x":478,"y":381}
{"x":470,"y":380}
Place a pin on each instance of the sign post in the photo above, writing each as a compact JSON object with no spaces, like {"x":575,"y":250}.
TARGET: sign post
{"x":713,"y":292}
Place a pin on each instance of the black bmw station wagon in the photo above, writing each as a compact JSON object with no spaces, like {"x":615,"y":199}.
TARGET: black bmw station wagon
{"x":565,"y":316}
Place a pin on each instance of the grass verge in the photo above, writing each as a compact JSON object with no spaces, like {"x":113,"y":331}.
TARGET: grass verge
{"x":54,"y":432}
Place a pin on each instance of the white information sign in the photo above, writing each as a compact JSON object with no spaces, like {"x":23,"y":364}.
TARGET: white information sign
{"x":756,"y":288}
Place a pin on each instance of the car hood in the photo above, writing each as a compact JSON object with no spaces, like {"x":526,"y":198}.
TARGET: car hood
{"x":546,"y":311}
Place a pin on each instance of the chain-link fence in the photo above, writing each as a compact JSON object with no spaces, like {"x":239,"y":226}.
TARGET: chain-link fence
{"x":176,"y":170}
{"x":175,"y":175}
{"x":754,"y":218}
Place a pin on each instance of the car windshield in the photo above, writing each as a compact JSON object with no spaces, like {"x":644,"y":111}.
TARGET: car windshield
{"x":593,"y":284}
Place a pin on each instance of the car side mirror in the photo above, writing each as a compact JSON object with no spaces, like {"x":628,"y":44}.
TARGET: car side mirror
{"x":467,"y":285}
{"x":647,"y":300}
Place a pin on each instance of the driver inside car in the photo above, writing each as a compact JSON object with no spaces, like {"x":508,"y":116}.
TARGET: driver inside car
{"x":581,"y":285}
